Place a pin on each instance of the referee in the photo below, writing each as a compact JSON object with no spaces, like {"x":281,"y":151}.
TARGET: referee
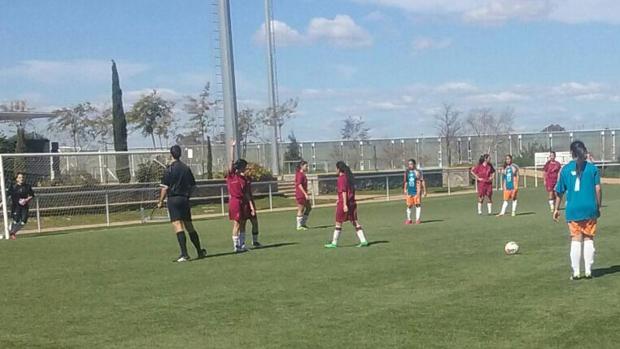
{"x":177,"y":184}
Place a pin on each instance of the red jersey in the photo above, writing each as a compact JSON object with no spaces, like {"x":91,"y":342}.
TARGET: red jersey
{"x":552,"y":171}
{"x":344,"y":186}
{"x":300,"y":179}
{"x":484,"y":172}
{"x":237,"y":185}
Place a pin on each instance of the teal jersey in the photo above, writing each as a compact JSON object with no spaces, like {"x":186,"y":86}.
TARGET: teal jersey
{"x":580,"y":191}
{"x":411,"y":178}
{"x":510,"y":175}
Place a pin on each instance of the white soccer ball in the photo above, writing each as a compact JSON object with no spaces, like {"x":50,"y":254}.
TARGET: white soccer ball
{"x":511,"y":248}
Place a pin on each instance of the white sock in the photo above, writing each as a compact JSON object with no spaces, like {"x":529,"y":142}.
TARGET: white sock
{"x":304,"y":220}
{"x":575,"y":257}
{"x":514,"y":206}
{"x":242,"y":239}
{"x":588,"y":255}
{"x":479,"y":208}
{"x":490,"y":208}
{"x":360,"y":235}
{"x":418,"y":213}
{"x":504,"y":207}
{"x":235,"y":240}
{"x":552,"y":204}
{"x":300,"y":221}
{"x":336,"y":236}
{"x":408,"y":213}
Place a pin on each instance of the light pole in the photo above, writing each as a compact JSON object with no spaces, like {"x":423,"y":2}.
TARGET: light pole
{"x":273,"y":98}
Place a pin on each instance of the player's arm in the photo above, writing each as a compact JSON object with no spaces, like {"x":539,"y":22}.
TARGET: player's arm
{"x":163,"y":188}
{"x":248,"y":197}
{"x":474,"y":174}
{"x":422,"y":183}
{"x":599,"y":190}
{"x":344,"y":197}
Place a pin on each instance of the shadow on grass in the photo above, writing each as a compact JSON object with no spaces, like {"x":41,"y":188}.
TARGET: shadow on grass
{"x":372,"y":243}
{"x":433,"y":221}
{"x":526,"y":213}
{"x":606,"y":271}
{"x":322,"y":226}
{"x":264,"y":247}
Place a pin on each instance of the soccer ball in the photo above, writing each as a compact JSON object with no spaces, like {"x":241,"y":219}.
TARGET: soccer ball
{"x":511,"y":248}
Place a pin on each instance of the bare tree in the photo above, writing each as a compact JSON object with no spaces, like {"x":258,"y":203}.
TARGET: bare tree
{"x":354,"y":129}
{"x":449,"y":125}
{"x":246,"y":125}
{"x":201,"y":121}
{"x":284,"y":113}
{"x":489,"y":125}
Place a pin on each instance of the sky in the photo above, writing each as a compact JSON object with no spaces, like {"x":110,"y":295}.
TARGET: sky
{"x":392,"y":63}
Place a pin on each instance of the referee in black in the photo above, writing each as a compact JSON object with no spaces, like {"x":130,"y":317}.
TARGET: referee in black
{"x":177,"y":184}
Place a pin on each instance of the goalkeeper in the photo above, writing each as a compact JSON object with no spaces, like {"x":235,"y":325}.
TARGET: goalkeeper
{"x":21,"y":194}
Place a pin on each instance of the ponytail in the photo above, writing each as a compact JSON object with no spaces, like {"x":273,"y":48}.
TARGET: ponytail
{"x":301,"y":164}
{"x":580,"y":154}
{"x":342,"y":167}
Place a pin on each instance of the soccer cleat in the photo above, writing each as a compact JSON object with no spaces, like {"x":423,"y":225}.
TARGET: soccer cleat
{"x":202,"y":254}
{"x":575,"y":277}
{"x":408,"y":221}
{"x":256,"y":244}
{"x":182,"y":259}
{"x":514,"y":214}
{"x":588,"y":277}
{"x":500,"y":215}
{"x":13,"y":237}
{"x":331,"y":245}
{"x":363,"y":244}
{"x":302,"y":228}
{"x":418,"y":222}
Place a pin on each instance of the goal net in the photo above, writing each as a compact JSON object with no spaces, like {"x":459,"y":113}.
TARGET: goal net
{"x":83,"y":189}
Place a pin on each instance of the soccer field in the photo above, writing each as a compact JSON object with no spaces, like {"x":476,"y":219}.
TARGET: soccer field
{"x":443,"y":284}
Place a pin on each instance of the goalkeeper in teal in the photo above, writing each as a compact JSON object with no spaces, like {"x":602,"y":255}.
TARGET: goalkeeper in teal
{"x":413,"y":187}
{"x":510,"y":173}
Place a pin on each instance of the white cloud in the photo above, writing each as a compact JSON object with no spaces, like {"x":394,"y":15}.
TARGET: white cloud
{"x":576,"y":89}
{"x":499,"y":11}
{"x":498,"y":97}
{"x":456,"y":87}
{"x":427,"y":43}
{"x":342,"y":31}
{"x":284,"y":34}
{"x":376,"y":16}
{"x":61,"y":72}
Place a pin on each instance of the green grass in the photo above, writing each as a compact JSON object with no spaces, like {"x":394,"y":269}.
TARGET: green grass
{"x":444,"y":284}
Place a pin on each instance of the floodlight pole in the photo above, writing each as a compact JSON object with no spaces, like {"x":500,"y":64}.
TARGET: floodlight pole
{"x":275,"y":156}
{"x":228,"y":79}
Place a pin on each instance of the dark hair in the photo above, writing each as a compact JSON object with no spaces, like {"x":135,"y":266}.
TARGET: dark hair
{"x":552,"y":152}
{"x":505,"y":163}
{"x":412,"y":160}
{"x":580,"y":153}
{"x":342,"y":167}
{"x":239,"y":165}
{"x":482,"y":158}
{"x":20,"y":173}
{"x":301,"y":164}
{"x":176,"y":152}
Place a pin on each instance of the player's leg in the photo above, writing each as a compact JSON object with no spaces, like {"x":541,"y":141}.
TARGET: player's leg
{"x":588,"y":247}
{"x":514,"y":202}
{"x":551,"y":199}
{"x":489,"y":195}
{"x":306,"y":213}
{"x":418,"y":209}
{"x":359,"y":231}
{"x":177,"y":227}
{"x":480,"y":202}
{"x":242,"y":226}
{"x":254,"y":222}
{"x":195,"y":239}
{"x":335,"y":236}
{"x":575,"y":249}
{"x":300,"y":215}
{"x":236,"y":227}
{"x":505,"y":204}
{"x":409,"y":203}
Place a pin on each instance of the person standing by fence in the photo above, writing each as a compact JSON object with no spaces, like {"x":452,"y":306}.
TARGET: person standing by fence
{"x":304,"y":206}
{"x":551,"y":172}
{"x":484,"y":173}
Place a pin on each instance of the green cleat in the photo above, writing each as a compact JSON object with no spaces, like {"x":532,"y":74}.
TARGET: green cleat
{"x":302,"y":228}
{"x":364,"y":244}
{"x":330,"y":245}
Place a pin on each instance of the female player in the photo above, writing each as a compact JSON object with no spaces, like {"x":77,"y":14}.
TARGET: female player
{"x":239,"y":206}
{"x":414,"y":188}
{"x":253,"y":216}
{"x":304,"y":206}
{"x":21,"y":194}
{"x":484,"y":173}
{"x":346,"y":207}
{"x":581,"y":182}
{"x":510,"y":174}
{"x":551,"y":173}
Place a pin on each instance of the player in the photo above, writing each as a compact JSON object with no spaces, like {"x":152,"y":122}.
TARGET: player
{"x":177,"y":184}
{"x":510,"y":173}
{"x":484,"y":173}
{"x":346,"y":206}
{"x":240,"y":207}
{"x":253,"y":215}
{"x":304,"y":206}
{"x":21,"y":194}
{"x":414,"y":187}
{"x":581,"y":182}
{"x":551,"y":172}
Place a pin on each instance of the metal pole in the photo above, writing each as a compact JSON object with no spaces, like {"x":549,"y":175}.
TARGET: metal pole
{"x":100,"y":168}
{"x":107,"y":209}
{"x":222,"y":200}
{"x":275,"y":156}
{"x":387,"y":188}
{"x":313,"y":196}
{"x":36,"y":200}
{"x":448,"y":177}
{"x":535,"y":175}
{"x":5,"y":214}
{"x":270,"y":199}
{"x":228,"y":79}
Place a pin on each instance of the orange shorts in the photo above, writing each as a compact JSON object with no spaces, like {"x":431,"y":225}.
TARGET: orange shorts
{"x":587,"y":227}
{"x":510,"y":194}
{"x":413,"y":200}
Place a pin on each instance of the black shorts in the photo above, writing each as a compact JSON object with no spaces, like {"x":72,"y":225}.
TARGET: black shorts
{"x":20,"y":214}
{"x":179,"y":208}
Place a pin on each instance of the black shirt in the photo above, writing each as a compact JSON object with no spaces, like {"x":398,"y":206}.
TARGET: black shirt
{"x":19,"y":191}
{"x":179,"y":179}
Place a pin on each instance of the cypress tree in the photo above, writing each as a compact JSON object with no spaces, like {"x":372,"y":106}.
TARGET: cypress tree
{"x":119,"y":128}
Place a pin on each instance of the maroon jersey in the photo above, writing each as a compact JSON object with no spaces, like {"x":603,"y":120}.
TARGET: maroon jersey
{"x":300,"y":179}
{"x":236,"y":185}
{"x":345,"y":187}
{"x":552,"y":171}
{"x":484,"y":173}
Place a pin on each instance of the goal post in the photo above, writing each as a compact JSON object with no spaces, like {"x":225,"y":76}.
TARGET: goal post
{"x":83,"y":188}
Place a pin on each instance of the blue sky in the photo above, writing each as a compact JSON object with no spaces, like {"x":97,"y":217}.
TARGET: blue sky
{"x":391,"y":62}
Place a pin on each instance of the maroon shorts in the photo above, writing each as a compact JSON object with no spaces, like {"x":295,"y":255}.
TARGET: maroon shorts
{"x":301,"y":200}
{"x":238,"y":210}
{"x":350,"y":216}
{"x":485,"y":190}
{"x":550,"y":186}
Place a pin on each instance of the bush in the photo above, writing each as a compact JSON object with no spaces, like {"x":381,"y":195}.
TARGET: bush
{"x":258,"y":173}
{"x":72,"y":178}
{"x":148,"y":172}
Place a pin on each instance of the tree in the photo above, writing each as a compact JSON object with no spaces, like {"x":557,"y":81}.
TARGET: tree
{"x":246,"y":126}
{"x":119,"y":128}
{"x":449,"y":126}
{"x":75,"y":121}
{"x":292,"y":149}
{"x":553,"y":128}
{"x":152,"y":115}
{"x":19,"y":163}
{"x":354,"y":129}
{"x":209,"y":159}
{"x":486,"y":122}
{"x":283,"y":113}
{"x":100,"y":127}
{"x":200,"y":118}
